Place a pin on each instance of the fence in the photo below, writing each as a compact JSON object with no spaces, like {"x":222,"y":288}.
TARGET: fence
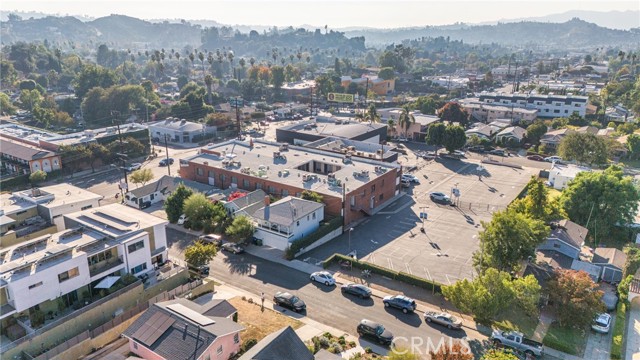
{"x":476,"y":207}
{"x":168,"y":295}
{"x":87,"y":334}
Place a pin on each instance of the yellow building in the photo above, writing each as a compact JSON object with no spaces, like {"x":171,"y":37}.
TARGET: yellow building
{"x":375,"y":84}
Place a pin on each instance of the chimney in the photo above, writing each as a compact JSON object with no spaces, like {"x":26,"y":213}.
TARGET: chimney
{"x":267,"y":202}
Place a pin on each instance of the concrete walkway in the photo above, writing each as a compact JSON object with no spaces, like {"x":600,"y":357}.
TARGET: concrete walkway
{"x":633,"y":332}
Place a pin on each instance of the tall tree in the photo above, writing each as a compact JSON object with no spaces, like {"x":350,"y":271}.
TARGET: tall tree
{"x":536,"y":203}
{"x":507,"y":239}
{"x":199,"y":253}
{"x":37,"y":177}
{"x":453,"y":112}
{"x":454,"y":138}
{"x":372,"y":114}
{"x":535,"y":132}
{"x":435,"y":135}
{"x":141,"y":176}
{"x":98,"y":151}
{"x":406,"y":119}
{"x":601,"y":200}
{"x":201,"y":211}
{"x":576,"y":298}
{"x":585,"y":148}
{"x":241,"y":229}
{"x":175,"y":202}
{"x":633,"y":144}
{"x":208,"y":81}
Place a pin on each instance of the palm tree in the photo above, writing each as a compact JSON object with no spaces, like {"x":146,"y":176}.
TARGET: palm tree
{"x":391,"y":127}
{"x":252,"y":61}
{"x":372,"y":114}
{"x":406,"y":119}
{"x":208,"y":81}
{"x":201,"y":57}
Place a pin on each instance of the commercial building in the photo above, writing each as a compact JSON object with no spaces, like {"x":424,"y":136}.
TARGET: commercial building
{"x":22,"y":158}
{"x":488,"y":113}
{"x":354,"y":148}
{"x":304,"y":132}
{"x":548,"y":106}
{"x":180,"y":131}
{"x":350,"y":186}
{"x":61,"y":269}
{"x":370,"y":83}
{"x":182,"y":329}
{"x":416,"y":130}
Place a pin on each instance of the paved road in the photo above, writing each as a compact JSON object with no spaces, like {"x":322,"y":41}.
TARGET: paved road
{"x":324,"y":304}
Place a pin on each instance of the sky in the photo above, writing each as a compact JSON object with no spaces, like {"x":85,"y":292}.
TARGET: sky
{"x":334,"y":13}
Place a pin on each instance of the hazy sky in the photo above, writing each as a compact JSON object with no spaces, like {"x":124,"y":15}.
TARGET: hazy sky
{"x":334,"y":13}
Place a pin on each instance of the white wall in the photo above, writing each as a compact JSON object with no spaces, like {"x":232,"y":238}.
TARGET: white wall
{"x":69,"y":208}
{"x":139,"y":256}
{"x":559,"y":182}
{"x":51,"y":288}
{"x":160,"y":235}
{"x":307,"y":225}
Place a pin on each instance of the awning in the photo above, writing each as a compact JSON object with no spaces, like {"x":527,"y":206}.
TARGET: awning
{"x":107,"y":282}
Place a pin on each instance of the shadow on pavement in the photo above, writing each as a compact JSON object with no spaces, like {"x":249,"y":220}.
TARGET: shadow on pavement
{"x":411,"y":319}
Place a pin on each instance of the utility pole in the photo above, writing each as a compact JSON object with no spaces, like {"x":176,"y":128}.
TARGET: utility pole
{"x":366,"y":94}
{"x":311,"y":99}
{"x":237,"y":100}
{"x":166,"y":149}
{"x":121,"y":155}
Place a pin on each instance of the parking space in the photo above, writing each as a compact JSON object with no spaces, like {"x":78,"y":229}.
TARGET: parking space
{"x":443,"y":252}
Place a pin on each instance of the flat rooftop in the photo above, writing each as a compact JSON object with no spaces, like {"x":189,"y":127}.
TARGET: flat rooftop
{"x":359,"y":148}
{"x":333,"y":127}
{"x":92,"y":134}
{"x":10,"y":204}
{"x":115,"y":219}
{"x":57,"y":195}
{"x":259,"y":161}
{"x":25,"y":132}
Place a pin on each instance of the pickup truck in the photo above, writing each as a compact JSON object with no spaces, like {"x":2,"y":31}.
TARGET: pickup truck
{"x":516,"y":340}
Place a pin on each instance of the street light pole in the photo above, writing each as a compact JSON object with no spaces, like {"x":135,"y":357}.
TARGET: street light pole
{"x":350,"y":230}
{"x":166,"y":149}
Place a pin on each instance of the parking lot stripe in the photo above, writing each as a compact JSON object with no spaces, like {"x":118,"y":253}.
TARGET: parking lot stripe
{"x":408,"y":269}
{"x":390,"y":263}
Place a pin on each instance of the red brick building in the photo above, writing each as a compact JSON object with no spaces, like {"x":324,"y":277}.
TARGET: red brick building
{"x":351,"y":187}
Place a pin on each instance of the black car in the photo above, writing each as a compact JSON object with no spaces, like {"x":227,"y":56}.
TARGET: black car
{"x":375,"y":331}
{"x":359,"y":290}
{"x":476,"y":149}
{"x":165,"y":161}
{"x":289,"y":301}
{"x":406,"y":304}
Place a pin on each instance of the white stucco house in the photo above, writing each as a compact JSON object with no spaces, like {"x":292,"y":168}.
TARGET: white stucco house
{"x":561,"y":175}
{"x":179,"y":131}
{"x":286,"y":220}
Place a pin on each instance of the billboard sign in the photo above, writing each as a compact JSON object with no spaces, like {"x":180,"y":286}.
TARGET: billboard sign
{"x":343,"y":98}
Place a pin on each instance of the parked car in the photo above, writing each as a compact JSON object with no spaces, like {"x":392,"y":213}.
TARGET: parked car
{"x":476,"y":149}
{"x":182,"y":219}
{"x":376,"y":331}
{"x":602,"y":323}
{"x":323,"y":277}
{"x":166,"y":161}
{"x":444,"y":319}
{"x":405,"y":183}
{"x":498,"y":152}
{"x":439,"y":197}
{"x":232,"y":248}
{"x":535,"y":158}
{"x":402,"y":139}
{"x":289,"y":301}
{"x":556,"y":159}
{"x":203,"y":270}
{"x":133,"y":167}
{"x":516,"y":340}
{"x":411,"y":178}
{"x":145,"y":204}
{"x":358,"y":290}
{"x":211,"y":238}
{"x":404,"y":303}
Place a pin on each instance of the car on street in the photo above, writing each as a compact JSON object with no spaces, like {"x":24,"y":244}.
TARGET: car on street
{"x":535,"y":157}
{"x":166,"y":161}
{"x":476,"y":149}
{"x":323,"y":277}
{"x":402,"y":139}
{"x":182,"y":219}
{"x":498,"y":152}
{"x":358,"y":290}
{"x":289,"y":301}
{"x":602,"y":323}
{"x":441,"y":318}
{"x":232,"y":248}
{"x":516,"y":340}
{"x":439,"y":197}
{"x":405,"y":183}
{"x":551,"y":159}
{"x":374,"y":330}
{"x":211,"y":238}
{"x":134,"y":167}
{"x":404,"y":303}
{"x":410,"y":178}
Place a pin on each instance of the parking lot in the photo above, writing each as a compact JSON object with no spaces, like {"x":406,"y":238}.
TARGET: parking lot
{"x":443,"y":252}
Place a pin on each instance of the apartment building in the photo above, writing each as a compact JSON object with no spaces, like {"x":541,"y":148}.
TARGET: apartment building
{"x":350,"y":186}
{"x":22,"y":158}
{"x":65,"y":267}
{"x":487,"y":113}
{"x":548,"y":106}
{"x":372,"y":83}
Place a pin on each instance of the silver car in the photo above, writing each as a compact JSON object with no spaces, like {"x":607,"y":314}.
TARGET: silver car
{"x":444,"y":319}
{"x":439,"y":197}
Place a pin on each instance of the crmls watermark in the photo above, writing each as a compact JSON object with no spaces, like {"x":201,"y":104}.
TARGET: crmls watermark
{"x":419,"y":346}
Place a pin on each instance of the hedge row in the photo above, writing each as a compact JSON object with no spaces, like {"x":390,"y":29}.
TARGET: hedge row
{"x":22,"y":180}
{"x":618,"y":331}
{"x":323,"y":230}
{"x":400,"y":276}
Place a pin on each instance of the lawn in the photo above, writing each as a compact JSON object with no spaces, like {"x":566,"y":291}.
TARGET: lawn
{"x":569,"y":340}
{"x":257,"y":323}
{"x":618,"y":331}
{"x":515,"y":319}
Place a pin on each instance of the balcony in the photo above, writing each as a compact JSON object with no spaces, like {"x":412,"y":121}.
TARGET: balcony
{"x":103,"y":266}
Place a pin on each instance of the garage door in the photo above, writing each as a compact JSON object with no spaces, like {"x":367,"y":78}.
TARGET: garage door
{"x":269,"y":239}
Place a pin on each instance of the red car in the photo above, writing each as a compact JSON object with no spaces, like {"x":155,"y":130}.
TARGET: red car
{"x":535,"y":157}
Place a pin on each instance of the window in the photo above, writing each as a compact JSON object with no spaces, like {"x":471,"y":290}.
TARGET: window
{"x":381,"y":197}
{"x":35,"y":285}
{"x":234,"y":180}
{"x":556,"y":245}
{"x":223,"y":177}
{"x":556,"y":111}
{"x":219,"y":351}
{"x":245,"y":183}
{"x":152,"y":196}
{"x":199,"y":171}
{"x":271,"y":189}
{"x":86,"y":207}
{"x":139,"y":268}
{"x":236,"y":338}
{"x":211,"y":174}
{"x":353,"y":201}
{"x":258,"y":186}
{"x":135,"y":345}
{"x":21,"y":212}
{"x":313,"y":216}
{"x":136,"y":246}
{"x":373,"y":188}
{"x":68,"y":274}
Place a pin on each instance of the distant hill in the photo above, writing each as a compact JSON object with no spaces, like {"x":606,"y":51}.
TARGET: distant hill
{"x":621,"y":20}
{"x":573,"y":34}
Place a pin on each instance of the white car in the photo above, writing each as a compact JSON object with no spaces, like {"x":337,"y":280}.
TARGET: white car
{"x":182,"y":219}
{"x":323,"y":277}
{"x":557,"y":159}
{"x":410,"y":178}
{"x":439,"y":197}
{"x":602,"y":323}
{"x":134,"y":167}
{"x":403,"y":139}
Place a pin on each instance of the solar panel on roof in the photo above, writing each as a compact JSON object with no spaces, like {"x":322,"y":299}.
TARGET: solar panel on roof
{"x":154,"y":328}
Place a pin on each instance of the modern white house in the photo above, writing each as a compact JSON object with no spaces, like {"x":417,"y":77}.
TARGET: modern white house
{"x":286,"y":220}
{"x":561,"y":175}
{"x":159,"y":190}
{"x":179,"y":131}
{"x":68,"y":266}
